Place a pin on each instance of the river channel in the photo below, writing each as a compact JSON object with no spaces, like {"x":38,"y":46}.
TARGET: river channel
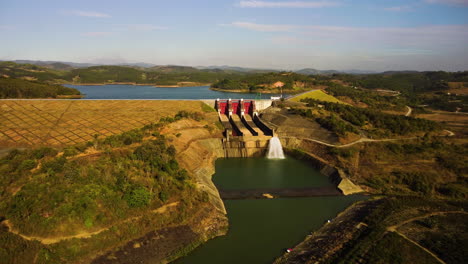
{"x":262,"y":229}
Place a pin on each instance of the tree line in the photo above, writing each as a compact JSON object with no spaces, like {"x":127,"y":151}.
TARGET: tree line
{"x":17,"y":88}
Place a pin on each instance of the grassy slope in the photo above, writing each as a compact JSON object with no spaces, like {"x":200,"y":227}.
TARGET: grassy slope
{"x":17,"y":88}
{"x":115,"y":186}
{"x":317,"y":95}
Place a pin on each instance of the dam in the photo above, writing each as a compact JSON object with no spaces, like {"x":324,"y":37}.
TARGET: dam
{"x":245,"y":134}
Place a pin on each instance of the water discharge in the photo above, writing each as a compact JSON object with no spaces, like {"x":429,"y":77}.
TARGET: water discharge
{"x":275,"y":150}
{"x":261,"y":229}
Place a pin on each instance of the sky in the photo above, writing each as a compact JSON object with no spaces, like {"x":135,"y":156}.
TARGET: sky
{"x":372,"y":35}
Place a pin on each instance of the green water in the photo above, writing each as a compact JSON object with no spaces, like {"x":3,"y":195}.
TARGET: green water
{"x":261,"y":230}
{"x":251,"y":173}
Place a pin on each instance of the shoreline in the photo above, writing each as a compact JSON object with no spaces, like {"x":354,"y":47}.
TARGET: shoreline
{"x":338,"y":232}
{"x":289,"y":92}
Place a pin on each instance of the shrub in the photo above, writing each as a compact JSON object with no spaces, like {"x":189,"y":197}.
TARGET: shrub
{"x":163,"y":196}
{"x":27,"y":165}
{"x":138,"y":197}
{"x":70,"y":151}
{"x":44,"y":152}
{"x":55,"y":165}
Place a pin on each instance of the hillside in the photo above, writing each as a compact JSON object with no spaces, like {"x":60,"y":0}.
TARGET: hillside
{"x":158,"y":75}
{"x":18,"y":88}
{"x":75,"y":204}
{"x":273,"y":82}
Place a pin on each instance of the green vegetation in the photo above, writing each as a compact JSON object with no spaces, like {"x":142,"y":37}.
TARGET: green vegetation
{"x":264,"y":82}
{"x":447,"y":102}
{"x":164,"y":75}
{"x":405,"y":82}
{"x":317,"y":95}
{"x":427,"y":167}
{"x":373,"y":121}
{"x":17,"y":88}
{"x":416,"y":88}
{"x":368,"y":97}
{"x":97,"y":185}
{"x":335,"y":124}
{"x":442,"y":236}
{"x":375,"y":244}
{"x":67,"y":191}
{"x":392,"y":248}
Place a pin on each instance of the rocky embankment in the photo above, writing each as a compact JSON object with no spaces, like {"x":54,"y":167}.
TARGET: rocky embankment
{"x":296,"y":133}
{"x":332,"y":237}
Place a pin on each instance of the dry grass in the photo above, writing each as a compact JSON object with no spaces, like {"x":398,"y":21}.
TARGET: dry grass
{"x":62,"y":122}
{"x":458,"y":88}
{"x":456,"y":122}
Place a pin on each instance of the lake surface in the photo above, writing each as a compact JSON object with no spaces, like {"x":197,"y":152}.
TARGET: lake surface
{"x":261,"y":230}
{"x":120,"y":91}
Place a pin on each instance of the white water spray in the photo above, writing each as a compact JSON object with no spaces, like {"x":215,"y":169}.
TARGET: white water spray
{"x":275,"y":150}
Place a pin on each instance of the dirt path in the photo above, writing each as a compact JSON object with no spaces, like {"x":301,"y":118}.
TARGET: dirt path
{"x":410,"y":110}
{"x":421,"y":247}
{"x":394,"y":229}
{"x":361,"y":140}
{"x":53,"y":240}
{"x":450,"y":133}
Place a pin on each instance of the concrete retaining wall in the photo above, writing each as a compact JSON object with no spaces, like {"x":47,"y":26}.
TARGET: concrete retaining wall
{"x":244,"y":149}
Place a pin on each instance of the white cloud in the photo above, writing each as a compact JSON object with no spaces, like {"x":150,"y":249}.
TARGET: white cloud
{"x":264,"y":27}
{"x":292,"y":40}
{"x":448,"y":2}
{"x":398,"y":8}
{"x":142,"y":27}
{"x":295,"y":4}
{"x":409,"y":38}
{"x":96,"y":34}
{"x":89,"y":14}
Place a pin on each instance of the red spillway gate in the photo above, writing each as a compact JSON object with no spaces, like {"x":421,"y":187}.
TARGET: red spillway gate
{"x":223,"y":106}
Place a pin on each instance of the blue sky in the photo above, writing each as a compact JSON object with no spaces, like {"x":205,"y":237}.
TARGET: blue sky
{"x":335,"y":34}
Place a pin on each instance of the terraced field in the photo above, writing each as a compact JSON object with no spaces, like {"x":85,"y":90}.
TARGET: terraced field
{"x":62,"y":122}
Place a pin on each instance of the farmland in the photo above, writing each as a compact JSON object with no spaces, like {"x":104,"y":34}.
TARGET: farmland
{"x":64,"y":122}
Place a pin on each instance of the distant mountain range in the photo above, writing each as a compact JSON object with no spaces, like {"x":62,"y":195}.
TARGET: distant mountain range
{"x":61,"y":65}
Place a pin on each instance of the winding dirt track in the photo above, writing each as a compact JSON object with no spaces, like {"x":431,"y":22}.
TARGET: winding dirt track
{"x":394,"y":229}
{"x":361,"y":140}
{"x":410,"y":110}
{"x":53,"y":240}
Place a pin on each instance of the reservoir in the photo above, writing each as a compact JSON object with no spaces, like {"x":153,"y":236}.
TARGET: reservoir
{"x":261,"y":229}
{"x":122,"y":91}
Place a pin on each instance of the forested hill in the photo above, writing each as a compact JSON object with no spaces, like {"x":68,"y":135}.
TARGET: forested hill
{"x":17,"y":88}
{"x":158,"y":75}
{"x":406,"y":82}
{"x":228,"y":79}
{"x":264,"y":82}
